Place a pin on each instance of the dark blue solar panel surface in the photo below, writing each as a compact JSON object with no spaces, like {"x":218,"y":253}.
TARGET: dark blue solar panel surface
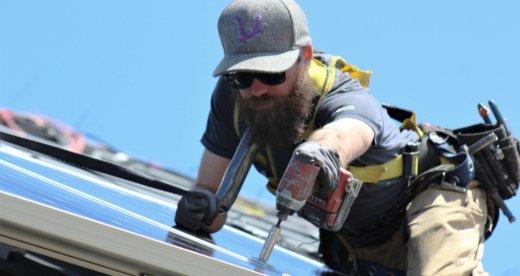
{"x":86,"y":194}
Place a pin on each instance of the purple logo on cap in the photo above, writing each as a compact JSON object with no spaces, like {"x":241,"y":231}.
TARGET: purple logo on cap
{"x":249,"y":29}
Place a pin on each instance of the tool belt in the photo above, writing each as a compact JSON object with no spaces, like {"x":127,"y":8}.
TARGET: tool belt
{"x":499,"y":162}
{"x":495,"y":153}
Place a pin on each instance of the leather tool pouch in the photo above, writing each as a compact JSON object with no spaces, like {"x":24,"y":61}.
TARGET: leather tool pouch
{"x":500,"y":161}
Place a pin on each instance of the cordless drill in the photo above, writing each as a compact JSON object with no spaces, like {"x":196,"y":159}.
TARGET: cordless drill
{"x":296,"y":192}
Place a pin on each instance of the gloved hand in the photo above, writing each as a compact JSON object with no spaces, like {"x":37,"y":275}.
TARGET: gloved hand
{"x":327,"y":159}
{"x":196,"y":208}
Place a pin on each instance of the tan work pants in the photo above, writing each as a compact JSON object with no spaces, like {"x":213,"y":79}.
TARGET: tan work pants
{"x":446,"y":235}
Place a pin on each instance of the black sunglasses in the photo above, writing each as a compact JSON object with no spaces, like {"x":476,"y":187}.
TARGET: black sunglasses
{"x":244,"y":80}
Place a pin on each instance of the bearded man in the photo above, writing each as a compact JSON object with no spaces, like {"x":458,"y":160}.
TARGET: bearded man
{"x":269,"y":85}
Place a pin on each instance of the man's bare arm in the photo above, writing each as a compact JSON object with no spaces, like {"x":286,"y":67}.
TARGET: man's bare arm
{"x":349,"y":137}
{"x":211,"y":170}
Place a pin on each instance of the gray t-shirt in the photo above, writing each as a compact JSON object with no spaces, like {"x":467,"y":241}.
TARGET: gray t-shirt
{"x":347,"y":99}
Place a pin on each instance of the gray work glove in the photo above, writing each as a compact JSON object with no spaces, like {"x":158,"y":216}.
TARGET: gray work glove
{"x":197,"y":207}
{"x":328,"y":160}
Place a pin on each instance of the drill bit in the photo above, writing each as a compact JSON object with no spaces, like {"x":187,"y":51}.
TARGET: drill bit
{"x":270,"y":242}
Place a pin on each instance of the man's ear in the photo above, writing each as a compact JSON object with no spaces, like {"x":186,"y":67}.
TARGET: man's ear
{"x":307,"y":53}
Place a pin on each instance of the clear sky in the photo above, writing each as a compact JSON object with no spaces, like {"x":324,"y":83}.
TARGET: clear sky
{"x":138,"y":73}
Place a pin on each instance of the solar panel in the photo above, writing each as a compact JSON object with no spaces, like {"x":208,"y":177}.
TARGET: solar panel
{"x":128,"y":207}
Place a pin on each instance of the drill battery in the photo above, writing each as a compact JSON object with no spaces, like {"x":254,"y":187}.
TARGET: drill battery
{"x":329,"y":212}
{"x":297,"y":193}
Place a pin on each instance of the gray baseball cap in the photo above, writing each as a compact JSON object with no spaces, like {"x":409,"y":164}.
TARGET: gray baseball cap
{"x":261,"y":36}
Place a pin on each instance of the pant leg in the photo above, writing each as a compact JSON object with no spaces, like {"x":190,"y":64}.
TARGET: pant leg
{"x":446,"y":227}
{"x":391,"y":254}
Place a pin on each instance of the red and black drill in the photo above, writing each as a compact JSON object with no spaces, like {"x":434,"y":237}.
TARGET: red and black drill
{"x":296,"y":193}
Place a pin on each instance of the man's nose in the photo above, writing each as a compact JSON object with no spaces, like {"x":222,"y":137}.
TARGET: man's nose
{"x":258,"y":88}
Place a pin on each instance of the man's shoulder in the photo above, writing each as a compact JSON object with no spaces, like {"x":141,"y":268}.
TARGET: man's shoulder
{"x":347,"y":90}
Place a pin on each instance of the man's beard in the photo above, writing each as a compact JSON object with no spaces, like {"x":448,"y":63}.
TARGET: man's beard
{"x":283,"y":123}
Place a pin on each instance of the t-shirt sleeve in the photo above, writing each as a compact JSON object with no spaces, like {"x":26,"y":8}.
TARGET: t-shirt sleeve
{"x":351,"y":100}
{"x":220,"y":137}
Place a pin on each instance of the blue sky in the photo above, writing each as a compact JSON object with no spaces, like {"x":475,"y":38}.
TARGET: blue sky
{"x":138,"y":73}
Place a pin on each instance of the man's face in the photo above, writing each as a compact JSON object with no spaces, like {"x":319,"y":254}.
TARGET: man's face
{"x":276,"y":113}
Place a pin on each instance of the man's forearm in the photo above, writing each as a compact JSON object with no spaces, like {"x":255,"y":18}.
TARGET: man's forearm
{"x":349,"y":137}
{"x":332,"y":139}
{"x":211,"y":170}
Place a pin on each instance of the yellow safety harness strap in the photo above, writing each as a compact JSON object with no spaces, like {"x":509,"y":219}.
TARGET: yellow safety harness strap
{"x":406,"y":117}
{"x":372,"y":174}
{"x":394,"y":168}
